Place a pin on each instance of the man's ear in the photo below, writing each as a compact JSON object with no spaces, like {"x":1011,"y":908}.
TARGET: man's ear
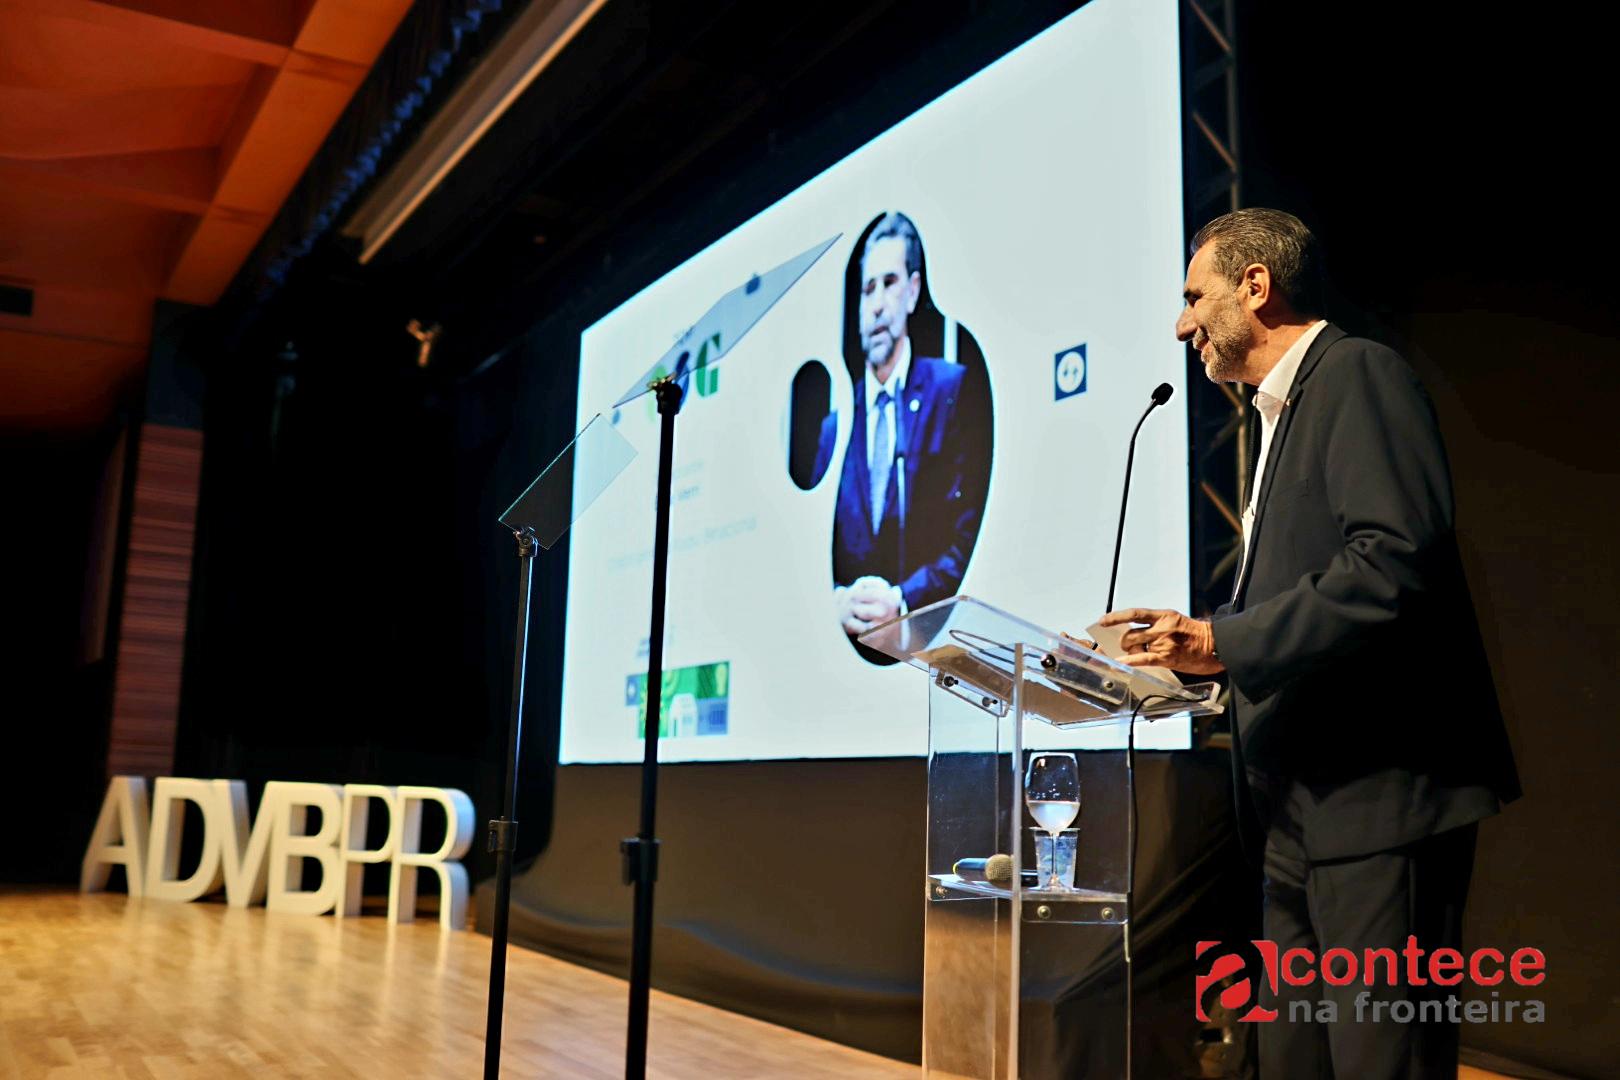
{"x":913,"y":291}
{"x":1255,"y":287}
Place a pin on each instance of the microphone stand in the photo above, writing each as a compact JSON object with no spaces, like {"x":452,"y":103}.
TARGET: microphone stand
{"x":552,"y":492}
{"x":1160,"y":395}
{"x":503,"y":831}
{"x":640,"y":852}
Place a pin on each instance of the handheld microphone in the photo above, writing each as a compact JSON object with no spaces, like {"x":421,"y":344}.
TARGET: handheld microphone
{"x":997,"y":869}
{"x":1161,"y":394}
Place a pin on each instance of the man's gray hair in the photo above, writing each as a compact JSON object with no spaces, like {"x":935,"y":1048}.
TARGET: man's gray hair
{"x":897,"y":225}
{"x":1278,"y":241}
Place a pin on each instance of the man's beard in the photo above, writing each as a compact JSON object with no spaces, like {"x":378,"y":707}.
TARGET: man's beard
{"x":1228,"y":345}
{"x":879,"y":346}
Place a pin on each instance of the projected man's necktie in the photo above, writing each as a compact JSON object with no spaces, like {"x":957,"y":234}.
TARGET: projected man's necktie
{"x":882,"y":458}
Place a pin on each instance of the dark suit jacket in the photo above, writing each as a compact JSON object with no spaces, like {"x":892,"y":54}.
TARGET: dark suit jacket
{"x":944,"y":490}
{"x":1364,"y":715}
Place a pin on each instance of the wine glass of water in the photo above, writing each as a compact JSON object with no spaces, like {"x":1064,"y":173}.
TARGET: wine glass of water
{"x":1052,"y":793}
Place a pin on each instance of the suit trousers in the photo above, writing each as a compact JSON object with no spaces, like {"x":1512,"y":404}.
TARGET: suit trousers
{"x":1366,"y":902}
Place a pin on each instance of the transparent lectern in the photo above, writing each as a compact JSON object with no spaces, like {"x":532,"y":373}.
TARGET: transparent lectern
{"x":1002,"y":951}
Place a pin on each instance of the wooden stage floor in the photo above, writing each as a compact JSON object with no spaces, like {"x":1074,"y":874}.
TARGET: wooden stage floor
{"x":103,"y":986}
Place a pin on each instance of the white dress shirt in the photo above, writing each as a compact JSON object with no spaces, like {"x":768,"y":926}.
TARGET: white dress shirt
{"x":1270,"y":399}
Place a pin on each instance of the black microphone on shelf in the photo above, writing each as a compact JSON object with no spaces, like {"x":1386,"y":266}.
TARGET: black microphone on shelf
{"x":1161,"y":394}
{"x":997,"y":869}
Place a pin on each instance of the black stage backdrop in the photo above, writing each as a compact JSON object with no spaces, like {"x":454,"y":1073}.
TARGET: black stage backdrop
{"x":56,"y":663}
{"x":353,"y":597}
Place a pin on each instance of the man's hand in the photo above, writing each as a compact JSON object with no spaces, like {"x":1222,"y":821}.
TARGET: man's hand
{"x":865,"y":604}
{"x":1169,"y":639}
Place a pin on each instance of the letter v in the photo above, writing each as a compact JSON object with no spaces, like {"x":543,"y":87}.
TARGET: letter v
{"x":243,"y":854}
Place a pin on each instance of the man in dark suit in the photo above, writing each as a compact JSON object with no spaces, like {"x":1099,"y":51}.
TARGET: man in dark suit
{"x":1367,"y":739}
{"x":909,"y":498}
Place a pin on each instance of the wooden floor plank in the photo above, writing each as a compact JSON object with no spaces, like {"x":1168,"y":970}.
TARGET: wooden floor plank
{"x":104,"y":986}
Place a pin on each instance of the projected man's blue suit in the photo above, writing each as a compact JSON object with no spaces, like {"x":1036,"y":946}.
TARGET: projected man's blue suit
{"x":915,"y":472}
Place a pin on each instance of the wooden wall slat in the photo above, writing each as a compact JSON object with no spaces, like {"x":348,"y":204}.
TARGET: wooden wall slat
{"x":157,"y":587}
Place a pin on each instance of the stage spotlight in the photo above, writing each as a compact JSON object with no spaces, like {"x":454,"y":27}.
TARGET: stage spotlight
{"x":424,"y":340}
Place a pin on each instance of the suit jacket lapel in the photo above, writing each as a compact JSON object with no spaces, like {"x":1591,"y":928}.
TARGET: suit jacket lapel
{"x":1313,"y":356}
{"x":857,"y":442}
{"x":855,"y":493}
{"x":911,"y":415}
{"x":908,"y":413}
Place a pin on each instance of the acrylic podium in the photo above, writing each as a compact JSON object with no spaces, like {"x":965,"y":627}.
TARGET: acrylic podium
{"x":996,"y":952}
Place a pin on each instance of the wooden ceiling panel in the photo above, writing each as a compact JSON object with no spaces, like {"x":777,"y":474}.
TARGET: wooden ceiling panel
{"x":298,"y":108}
{"x":38,"y":124}
{"x":210,"y":252}
{"x":179,"y":180}
{"x":56,"y":382}
{"x":223,"y":27}
{"x":351,"y":30}
{"x":261,"y":20}
{"x":52,"y":53}
{"x":145,"y":145}
{"x":55,"y":237}
{"x":104,"y":316}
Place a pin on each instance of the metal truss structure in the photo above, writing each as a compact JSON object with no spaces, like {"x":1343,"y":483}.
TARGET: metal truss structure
{"x":1220,"y":434}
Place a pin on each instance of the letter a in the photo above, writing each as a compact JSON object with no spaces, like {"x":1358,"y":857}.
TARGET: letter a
{"x":119,"y":837}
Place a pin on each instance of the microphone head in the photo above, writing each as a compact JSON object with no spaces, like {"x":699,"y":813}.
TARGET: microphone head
{"x":1162,"y":392}
{"x":998,"y":870}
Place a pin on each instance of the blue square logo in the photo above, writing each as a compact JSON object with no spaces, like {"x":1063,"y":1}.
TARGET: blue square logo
{"x":1069,"y":373}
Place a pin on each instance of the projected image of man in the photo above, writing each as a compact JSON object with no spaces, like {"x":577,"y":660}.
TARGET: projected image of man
{"x":911,"y":491}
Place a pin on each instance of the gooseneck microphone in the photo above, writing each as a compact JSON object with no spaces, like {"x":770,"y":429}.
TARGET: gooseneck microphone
{"x":1161,"y":394}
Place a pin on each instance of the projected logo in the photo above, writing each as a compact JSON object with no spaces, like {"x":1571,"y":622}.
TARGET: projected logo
{"x":1069,"y":373}
{"x":694,"y":701}
{"x":692,"y":373}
